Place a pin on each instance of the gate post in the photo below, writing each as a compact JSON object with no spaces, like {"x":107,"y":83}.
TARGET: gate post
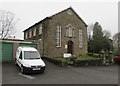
{"x":111,"y":56}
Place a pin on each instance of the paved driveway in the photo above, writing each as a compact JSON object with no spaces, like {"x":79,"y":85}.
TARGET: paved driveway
{"x":62,"y":75}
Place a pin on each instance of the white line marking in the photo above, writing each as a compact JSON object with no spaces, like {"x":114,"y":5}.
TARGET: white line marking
{"x":26,"y":76}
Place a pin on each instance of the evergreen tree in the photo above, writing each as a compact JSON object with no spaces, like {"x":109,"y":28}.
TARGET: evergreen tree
{"x":99,"y":41}
{"x":97,"y":38}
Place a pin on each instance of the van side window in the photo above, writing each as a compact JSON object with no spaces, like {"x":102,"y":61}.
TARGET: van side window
{"x":20,"y":55}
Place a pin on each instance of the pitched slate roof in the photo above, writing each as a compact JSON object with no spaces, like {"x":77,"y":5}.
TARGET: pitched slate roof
{"x":55,"y":15}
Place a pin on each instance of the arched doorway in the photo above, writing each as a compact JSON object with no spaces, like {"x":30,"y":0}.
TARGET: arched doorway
{"x":70,"y":47}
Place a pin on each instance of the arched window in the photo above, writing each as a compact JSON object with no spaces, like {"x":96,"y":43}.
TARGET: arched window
{"x":26,"y":35}
{"x":34,"y":32}
{"x":58,"y":36}
{"x":70,"y":31}
{"x":30,"y":34}
{"x":40,"y":29}
{"x":80,"y":38}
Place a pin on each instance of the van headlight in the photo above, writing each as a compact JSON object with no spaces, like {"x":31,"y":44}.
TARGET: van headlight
{"x":26,"y":65}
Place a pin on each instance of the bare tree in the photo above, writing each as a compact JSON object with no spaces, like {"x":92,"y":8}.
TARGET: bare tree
{"x":90,"y":30}
{"x":7,"y":23}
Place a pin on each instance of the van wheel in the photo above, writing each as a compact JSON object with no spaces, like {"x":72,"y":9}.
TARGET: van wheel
{"x":22,"y":70}
{"x":42,"y":69}
{"x":16,"y":63}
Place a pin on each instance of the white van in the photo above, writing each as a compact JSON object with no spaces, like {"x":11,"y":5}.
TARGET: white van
{"x":29,"y":60}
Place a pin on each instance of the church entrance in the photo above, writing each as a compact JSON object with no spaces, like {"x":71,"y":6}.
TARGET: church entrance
{"x":70,"y":47}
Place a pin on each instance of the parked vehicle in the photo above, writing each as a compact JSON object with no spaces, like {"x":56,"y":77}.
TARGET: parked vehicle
{"x":29,"y":60}
{"x":118,"y":59}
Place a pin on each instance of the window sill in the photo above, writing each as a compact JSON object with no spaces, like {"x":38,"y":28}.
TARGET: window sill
{"x":69,"y":36}
{"x":58,"y":46}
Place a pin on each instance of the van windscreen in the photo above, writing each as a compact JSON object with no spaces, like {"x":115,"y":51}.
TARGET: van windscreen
{"x":31,"y":55}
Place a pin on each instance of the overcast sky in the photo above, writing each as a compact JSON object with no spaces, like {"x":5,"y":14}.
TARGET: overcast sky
{"x":30,"y":12}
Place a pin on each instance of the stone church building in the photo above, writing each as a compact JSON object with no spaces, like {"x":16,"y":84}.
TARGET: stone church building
{"x":64,"y":32}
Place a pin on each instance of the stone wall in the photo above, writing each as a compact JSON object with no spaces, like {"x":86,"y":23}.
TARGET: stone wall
{"x":65,"y":19}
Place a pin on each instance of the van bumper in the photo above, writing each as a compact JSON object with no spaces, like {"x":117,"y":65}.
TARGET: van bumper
{"x":31,"y":70}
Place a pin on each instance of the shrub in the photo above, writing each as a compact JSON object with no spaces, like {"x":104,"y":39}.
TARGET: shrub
{"x":62,"y":59}
{"x":58,"y":61}
{"x":84,"y":57}
{"x":70,"y":61}
{"x":93,"y":55}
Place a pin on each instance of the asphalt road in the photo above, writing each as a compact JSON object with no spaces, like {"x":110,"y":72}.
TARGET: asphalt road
{"x":62,"y":75}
